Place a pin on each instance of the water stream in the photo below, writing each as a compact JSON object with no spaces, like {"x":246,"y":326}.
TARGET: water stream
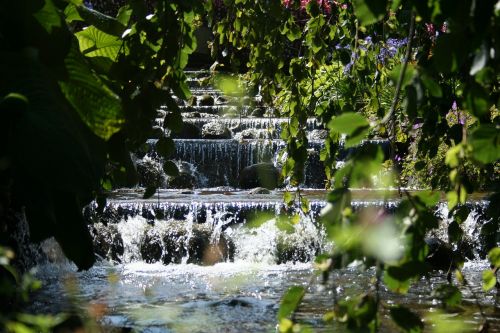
{"x":217,"y":258}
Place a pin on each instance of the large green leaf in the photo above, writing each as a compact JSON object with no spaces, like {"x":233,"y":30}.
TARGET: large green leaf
{"x":96,"y":43}
{"x":57,"y":160}
{"x":102,"y":22}
{"x":485,"y":142}
{"x":354,"y":125}
{"x":369,"y":11}
{"x":96,"y":104}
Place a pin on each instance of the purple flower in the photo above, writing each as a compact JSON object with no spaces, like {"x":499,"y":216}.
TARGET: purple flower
{"x":417,"y":126}
{"x":88,"y":4}
{"x":454,"y":106}
{"x":391,"y":48}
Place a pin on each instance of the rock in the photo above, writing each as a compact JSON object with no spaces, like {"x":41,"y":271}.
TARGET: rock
{"x":161,"y":113}
{"x":179,"y":101}
{"x":318,"y":135}
{"x":157,"y":132}
{"x":107,"y":240}
{"x":206,"y":100}
{"x":260,"y":175}
{"x":231,"y":112}
{"x":259,"y":190}
{"x":441,"y":256}
{"x":189,"y":131}
{"x":215,"y":130}
{"x":248,"y":133}
{"x":221,"y":100}
{"x":193,"y":100}
{"x":173,"y":242}
{"x":184,"y":180}
{"x":150,"y":173}
{"x":151,"y":246}
{"x":186,"y":191}
{"x":292,"y":248}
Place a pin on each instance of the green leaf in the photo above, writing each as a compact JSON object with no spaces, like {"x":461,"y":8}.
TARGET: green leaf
{"x":448,"y":294}
{"x":350,"y":123}
{"x":369,"y":11}
{"x":173,"y":121}
{"x":396,"y":71}
{"x":104,"y":23}
{"x":48,"y":17}
{"x":285,"y":225}
{"x":124,"y":14}
{"x":71,"y":14}
{"x":485,"y":142}
{"x":398,"y":278}
{"x":432,"y":86}
{"x":347,"y":123}
{"x":149,"y":192}
{"x":258,"y":219}
{"x":288,"y":198}
{"x":290,"y":302}
{"x":165,"y":147}
{"x":428,"y":198}
{"x":452,"y":198}
{"x":450,"y":52}
{"x":170,"y":168}
{"x":407,"y":320}
{"x":304,"y":205}
{"x":455,"y":233}
{"x":96,"y":104}
{"x":494,"y":256}
{"x":477,"y":100}
{"x":489,"y":280}
{"x":96,"y":43}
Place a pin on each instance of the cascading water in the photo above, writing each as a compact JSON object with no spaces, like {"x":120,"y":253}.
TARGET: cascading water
{"x":215,"y":257}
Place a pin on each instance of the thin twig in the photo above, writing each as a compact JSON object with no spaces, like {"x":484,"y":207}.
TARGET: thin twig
{"x":399,"y":85}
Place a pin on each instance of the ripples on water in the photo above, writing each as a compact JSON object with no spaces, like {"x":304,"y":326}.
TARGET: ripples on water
{"x":227,"y":297}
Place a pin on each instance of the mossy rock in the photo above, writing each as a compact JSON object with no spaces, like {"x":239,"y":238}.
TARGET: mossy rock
{"x":206,"y":100}
{"x":264,"y":175}
{"x":290,"y":249}
{"x":215,"y":130}
{"x":108,"y":242}
{"x":175,"y":241}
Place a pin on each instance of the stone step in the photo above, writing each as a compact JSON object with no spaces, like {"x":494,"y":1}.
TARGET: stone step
{"x":220,"y":162}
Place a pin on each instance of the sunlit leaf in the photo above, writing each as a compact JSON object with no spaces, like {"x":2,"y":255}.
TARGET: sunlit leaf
{"x":96,"y":43}
{"x":494,"y":256}
{"x":290,"y":301}
{"x":489,"y":280}
{"x":96,"y":104}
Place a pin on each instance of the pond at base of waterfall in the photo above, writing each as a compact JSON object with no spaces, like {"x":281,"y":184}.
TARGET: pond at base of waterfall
{"x":216,"y":248}
{"x":230,"y":297}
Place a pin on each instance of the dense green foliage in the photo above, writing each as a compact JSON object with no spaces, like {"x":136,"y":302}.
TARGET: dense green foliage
{"x":75,"y":102}
{"x":382,"y":69}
